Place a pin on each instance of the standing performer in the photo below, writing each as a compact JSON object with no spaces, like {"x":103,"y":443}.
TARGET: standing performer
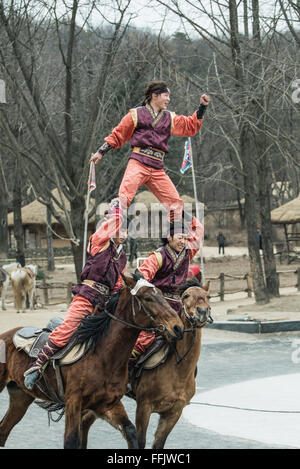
{"x":148,"y":128}
{"x":100,"y":278}
{"x":168,"y":267}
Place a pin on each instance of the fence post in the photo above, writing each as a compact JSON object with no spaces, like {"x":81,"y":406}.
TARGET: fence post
{"x":45,"y":292}
{"x":298,"y":278}
{"x":222,"y":286}
{"x":69,"y":292}
{"x":249,"y":285}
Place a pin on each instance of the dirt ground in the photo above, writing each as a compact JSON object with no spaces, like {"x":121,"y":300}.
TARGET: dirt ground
{"x":235,"y":305}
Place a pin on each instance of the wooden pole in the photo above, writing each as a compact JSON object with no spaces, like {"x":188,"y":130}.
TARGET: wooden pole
{"x":197,"y":213}
{"x":222,"y":286}
{"x":298,"y":278}
{"x":86,"y":220}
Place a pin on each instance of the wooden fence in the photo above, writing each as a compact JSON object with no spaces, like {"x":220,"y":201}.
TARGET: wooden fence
{"x":222,"y":291}
{"x":248,"y":283}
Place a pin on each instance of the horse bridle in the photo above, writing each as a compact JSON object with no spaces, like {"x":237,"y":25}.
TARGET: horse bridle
{"x":194,"y":325}
{"x":133,"y":291}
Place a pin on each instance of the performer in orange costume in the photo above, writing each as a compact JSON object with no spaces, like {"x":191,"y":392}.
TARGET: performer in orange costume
{"x":148,"y":128}
{"x":100,"y":278}
{"x":168,"y":267}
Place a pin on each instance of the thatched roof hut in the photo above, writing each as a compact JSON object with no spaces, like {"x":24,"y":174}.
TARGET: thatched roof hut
{"x":147,"y":199}
{"x":34,"y":221}
{"x":35,"y":213}
{"x":288,"y":213}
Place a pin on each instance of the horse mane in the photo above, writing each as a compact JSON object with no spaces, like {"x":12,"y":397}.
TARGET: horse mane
{"x":193,"y":282}
{"x":94,"y":326}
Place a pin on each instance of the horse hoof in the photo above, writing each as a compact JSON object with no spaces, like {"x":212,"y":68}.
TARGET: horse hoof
{"x":31,"y":379}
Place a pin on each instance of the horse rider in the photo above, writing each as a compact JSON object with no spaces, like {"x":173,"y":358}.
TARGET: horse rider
{"x":148,"y":128}
{"x":100,"y":278}
{"x":168,"y":267}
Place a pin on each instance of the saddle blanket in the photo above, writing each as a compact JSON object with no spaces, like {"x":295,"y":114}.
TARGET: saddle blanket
{"x":32,"y":339}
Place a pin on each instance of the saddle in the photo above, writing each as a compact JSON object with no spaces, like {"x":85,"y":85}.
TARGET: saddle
{"x":32,"y":339}
{"x":153,"y":357}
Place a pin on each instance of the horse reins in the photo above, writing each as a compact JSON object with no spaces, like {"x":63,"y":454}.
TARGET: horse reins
{"x":159,"y":328}
{"x":193,"y":330}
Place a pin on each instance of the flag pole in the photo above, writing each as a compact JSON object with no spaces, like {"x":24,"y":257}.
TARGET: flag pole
{"x":86,"y":219}
{"x":197,"y":211}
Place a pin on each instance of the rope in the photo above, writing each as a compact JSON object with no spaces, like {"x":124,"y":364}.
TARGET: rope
{"x":248,"y":409}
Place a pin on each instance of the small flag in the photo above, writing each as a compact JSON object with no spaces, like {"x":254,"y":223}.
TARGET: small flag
{"x":92,"y":178}
{"x":187,"y":158}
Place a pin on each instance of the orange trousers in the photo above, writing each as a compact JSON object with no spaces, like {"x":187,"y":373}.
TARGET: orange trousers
{"x":157,"y":181}
{"x":144,"y":341}
{"x":78,"y":309}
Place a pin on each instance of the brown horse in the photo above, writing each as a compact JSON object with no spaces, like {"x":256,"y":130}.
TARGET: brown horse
{"x":167,"y":389}
{"x":95,"y":384}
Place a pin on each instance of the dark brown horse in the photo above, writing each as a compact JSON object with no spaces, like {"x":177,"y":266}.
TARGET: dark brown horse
{"x":167,"y":389}
{"x":95,"y":384}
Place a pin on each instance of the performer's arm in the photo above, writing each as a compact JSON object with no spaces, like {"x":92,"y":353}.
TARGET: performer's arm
{"x":119,"y":136}
{"x":106,"y":231}
{"x":149,"y":267}
{"x":183,"y":126}
{"x":194,"y":237}
{"x":122,"y":133}
{"x":188,"y":126}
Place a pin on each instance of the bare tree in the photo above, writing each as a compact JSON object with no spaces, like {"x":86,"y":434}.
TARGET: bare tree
{"x":246,"y":70}
{"x":59,"y":131}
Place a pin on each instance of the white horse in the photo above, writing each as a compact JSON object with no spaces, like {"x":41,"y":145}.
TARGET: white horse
{"x":23,"y":281}
{"x":8,"y":268}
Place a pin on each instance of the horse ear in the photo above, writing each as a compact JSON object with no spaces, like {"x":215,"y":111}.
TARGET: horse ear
{"x":129,"y":282}
{"x":206,"y":287}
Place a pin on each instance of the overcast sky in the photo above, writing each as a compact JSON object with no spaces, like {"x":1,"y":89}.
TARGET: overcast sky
{"x":147,"y":14}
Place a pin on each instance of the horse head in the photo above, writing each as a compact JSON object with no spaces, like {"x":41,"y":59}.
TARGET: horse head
{"x":151,"y":310}
{"x":195,"y":300}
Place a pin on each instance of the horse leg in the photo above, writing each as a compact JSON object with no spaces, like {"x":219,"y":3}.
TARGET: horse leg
{"x":72,"y":438}
{"x":118,"y":418}
{"x":19,"y":402}
{"x":30,"y":299}
{"x":23,"y":301}
{"x":88,"y":418}
{"x":166,"y":423}
{"x":3,"y":296}
{"x":142,"y":417}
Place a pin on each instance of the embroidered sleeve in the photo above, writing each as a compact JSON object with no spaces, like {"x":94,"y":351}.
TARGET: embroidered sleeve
{"x":149,"y":267}
{"x":122,"y":133}
{"x":183,"y":126}
{"x":195,"y":237}
{"x":107,"y":230}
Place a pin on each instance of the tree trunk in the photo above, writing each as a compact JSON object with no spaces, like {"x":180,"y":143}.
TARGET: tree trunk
{"x":260,"y":291}
{"x":271,"y":275}
{"x":17,"y":204}
{"x":77,"y":220}
{"x":50,"y":251}
{"x":3,"y":213}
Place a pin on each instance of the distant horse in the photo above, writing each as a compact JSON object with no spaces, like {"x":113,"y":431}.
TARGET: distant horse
{"x":7,"y":268}
{"x":96,"y":383}
{"x":167,"y":389}
{"x":23,"y":281}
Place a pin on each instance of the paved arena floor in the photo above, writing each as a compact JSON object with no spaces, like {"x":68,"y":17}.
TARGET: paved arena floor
{"x":251,"y":383}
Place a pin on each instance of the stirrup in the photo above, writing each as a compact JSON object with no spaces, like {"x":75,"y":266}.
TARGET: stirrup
{"x":31,"y":378}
